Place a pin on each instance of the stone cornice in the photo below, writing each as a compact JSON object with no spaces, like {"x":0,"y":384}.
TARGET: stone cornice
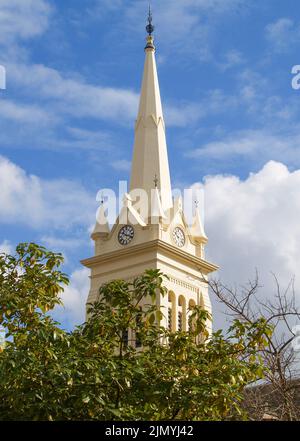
{"x":157,"y":246}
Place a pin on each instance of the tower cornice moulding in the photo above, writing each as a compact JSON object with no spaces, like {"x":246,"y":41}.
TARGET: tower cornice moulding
{"x":157,"y":246}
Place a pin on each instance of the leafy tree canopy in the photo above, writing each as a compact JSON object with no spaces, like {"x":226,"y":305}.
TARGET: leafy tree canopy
{"x":93,"y":372}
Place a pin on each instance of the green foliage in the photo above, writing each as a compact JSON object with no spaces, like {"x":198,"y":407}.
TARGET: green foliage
{"x":93,"y":373}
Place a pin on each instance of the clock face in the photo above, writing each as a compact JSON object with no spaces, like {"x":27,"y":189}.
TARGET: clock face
{"x":178,"y":237}
{"x":126,"y":235}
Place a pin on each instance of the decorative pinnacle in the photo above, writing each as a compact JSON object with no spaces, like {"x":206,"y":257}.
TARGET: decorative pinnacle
{"x":150,"y":27}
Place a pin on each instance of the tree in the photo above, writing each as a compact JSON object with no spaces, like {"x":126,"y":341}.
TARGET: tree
{"x":278,"y":393}
{"x":95,"y":372}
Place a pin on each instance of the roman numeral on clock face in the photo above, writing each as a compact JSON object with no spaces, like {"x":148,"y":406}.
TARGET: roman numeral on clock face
{"x":126,"y":234}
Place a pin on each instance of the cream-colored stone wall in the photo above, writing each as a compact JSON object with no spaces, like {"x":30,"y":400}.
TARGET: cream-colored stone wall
{"x":187,"y":275}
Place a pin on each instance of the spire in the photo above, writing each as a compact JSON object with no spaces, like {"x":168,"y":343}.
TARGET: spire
{"x":101,"y":229}
{"x":150,"y":157}
{"x":197,"y":229}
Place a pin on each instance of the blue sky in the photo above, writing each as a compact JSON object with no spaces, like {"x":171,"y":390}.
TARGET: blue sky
{"x":66,"y":122}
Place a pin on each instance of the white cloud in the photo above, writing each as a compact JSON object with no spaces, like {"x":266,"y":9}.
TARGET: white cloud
{"x":6,"y":247}
{"x":255,"y":146}
{"x":38,"y":203}
{"x":253,"y":96}
{"x":70,"y":94}
{"x":25,"y":113}
{"x":86,"y":139}
{"x":21,"y":19}
{"x":74,"y":299}
{"x":67,"y":96}
{"x":254,"y":224}
{"x":232,"y":59}
{"x":73,"y":96}
{"x":121,"y":165}
{"x":59,"y":244}
{"x":283,"y":34}
{"x":259,"y":98}
{"x":182,"y":114}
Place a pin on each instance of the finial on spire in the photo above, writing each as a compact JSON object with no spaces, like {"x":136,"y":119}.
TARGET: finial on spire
{"x":150,"y":27}
{"x":150,"y":30}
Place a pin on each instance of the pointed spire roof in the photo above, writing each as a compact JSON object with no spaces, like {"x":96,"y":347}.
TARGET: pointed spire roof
{"x":150,"y":156}
{"x":197,"y":229}
{"x":102,"y":226}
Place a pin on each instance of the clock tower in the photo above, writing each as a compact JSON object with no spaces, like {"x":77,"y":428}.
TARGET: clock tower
{"x":151,"y":230}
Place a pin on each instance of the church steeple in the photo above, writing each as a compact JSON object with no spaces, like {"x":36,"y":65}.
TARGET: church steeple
{"x":162,"y":238}
{"x":150,"y":157}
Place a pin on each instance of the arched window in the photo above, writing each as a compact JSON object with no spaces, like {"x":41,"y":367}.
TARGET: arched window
{"x":192,"y":305}
{"x":171,"y":312}
{"x":208,"y":325}
{"x":179,"y":321}
{"x":181,"y":316}
{"x":170,"y":318}
{"x":125,"y":337}
{"x":138,"y":342}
